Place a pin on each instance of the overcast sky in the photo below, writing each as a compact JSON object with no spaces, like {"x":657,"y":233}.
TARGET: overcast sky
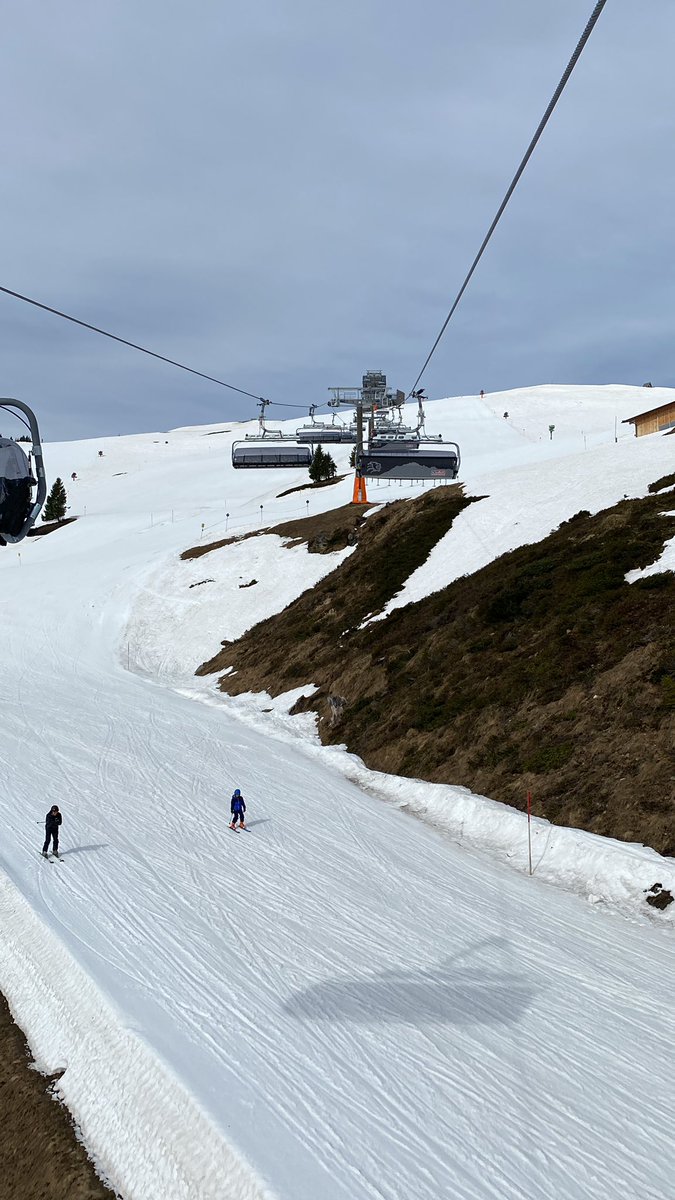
{"x":285,"y":193}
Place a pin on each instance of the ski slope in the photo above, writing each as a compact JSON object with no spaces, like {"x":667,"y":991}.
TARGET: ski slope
{"x":341,"y":1002}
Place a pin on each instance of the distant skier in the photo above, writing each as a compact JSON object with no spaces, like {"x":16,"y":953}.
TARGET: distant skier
{"x":52,"y":822}
{"x":237,"y":808}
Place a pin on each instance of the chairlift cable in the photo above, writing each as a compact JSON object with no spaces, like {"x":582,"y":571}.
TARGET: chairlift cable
{"x":300,"y":407}
{"x":17,"y":415}
{"x":134,"y":346}
{"x":123,"y":341}
{"x":512,"y":187}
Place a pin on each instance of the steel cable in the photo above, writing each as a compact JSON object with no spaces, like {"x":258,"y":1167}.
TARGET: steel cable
{"x":512,"y":187}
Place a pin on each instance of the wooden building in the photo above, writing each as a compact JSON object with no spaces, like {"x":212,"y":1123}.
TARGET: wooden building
{"x":655,"y":420}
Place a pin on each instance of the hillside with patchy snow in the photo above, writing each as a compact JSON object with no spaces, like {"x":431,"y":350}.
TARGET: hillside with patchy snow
{"x":545,"y":673}
{"x":341,"y":1002}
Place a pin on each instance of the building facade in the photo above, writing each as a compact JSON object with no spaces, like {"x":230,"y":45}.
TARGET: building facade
{"x":655,"y":420}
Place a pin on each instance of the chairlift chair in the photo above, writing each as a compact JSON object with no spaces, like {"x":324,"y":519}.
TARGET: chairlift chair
{"x":386,"y":430}
{"x":270,"y":452}
{"x":319,"y":432}
{"x":263,"y":436}
{"x":19,"y":509}
{"x":391,"y":458}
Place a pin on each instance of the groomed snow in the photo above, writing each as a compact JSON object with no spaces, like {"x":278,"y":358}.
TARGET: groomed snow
{"x":342,"y":1003}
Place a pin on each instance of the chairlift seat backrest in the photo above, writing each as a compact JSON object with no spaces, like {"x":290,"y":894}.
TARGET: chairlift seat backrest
{"x":411,"y":460}
{"x":270,"y":454}
{"x":15,"y":485}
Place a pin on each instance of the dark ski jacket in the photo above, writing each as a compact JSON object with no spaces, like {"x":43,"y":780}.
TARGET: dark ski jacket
{"x":237,"y":804}
{"x":52,"y":822}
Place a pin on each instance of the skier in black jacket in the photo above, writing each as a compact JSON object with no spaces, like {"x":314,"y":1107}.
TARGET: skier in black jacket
{"x":52,"y":822}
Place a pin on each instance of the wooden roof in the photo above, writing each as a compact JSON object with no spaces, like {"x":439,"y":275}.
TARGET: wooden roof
{"x":649,"y":412}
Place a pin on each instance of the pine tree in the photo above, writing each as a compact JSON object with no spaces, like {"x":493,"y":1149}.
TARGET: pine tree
{"x":316,"y":466}
{"x":322,"y":465}
{"x":55,"y":508}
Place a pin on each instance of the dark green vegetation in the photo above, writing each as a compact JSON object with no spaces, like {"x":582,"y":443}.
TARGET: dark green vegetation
{"x":55,"y":508}
{"x":322,"y":466}
{"x":543,"y":671}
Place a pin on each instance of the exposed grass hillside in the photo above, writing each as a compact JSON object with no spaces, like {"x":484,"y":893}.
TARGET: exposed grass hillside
{"x":543,"y":671}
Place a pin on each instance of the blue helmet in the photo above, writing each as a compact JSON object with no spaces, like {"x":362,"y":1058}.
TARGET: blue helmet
{"x":237,"y":792}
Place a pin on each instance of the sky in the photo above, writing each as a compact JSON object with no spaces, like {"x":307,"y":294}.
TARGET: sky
{"x":285,"y":194}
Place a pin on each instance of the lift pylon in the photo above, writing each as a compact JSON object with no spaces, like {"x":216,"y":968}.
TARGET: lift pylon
{"x":359,"y":495}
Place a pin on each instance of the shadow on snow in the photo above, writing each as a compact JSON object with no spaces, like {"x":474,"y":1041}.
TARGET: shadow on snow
{"x":84,"y":849}
{"x":446,"y":994}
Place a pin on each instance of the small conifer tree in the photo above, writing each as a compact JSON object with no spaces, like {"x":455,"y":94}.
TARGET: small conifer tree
{"x":322,"y":466}
{"x":55,"y":508}
{"x":316,"y":465}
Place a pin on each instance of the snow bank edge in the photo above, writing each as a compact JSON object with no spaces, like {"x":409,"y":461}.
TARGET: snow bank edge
{"x":147,"y":1141}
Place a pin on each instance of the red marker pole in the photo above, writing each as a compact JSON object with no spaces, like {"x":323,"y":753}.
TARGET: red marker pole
{"x":529,"y":829}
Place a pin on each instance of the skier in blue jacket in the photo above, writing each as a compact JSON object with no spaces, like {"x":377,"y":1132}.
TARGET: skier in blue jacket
{"x":237,"y":808}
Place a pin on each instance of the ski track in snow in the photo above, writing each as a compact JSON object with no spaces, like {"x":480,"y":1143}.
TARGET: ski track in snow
{"x":340,"y":1003}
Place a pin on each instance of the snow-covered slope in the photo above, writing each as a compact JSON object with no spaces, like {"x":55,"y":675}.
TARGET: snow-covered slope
{"x":342,"y":1002}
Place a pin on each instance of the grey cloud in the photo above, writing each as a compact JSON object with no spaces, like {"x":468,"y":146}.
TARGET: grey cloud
{"x":287,"y":194}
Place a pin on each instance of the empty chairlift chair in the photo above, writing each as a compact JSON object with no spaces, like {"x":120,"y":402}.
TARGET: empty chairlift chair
{"x":269,"y":448}
{"x":319,"y":431}
{"x":325,"y":434}
{"x":406,"y":454}
{"x":394,"y":458}
{"x":270,"y":453}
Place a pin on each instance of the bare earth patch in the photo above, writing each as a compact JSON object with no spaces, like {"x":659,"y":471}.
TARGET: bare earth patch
{"x":311,"y":487}
{"x":50,"y":527}
{"x":333,"y":530}
{"x":40,"y":1155}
